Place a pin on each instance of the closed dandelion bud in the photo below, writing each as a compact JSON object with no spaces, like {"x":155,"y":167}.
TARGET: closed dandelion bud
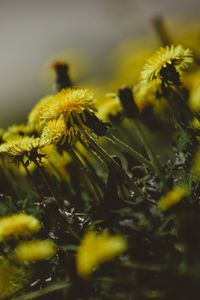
{"x":97,"y":248}
{"x":36,"y":250}
{"x":18,"y":225}
{"x":62,"y":75}
{"x":173,"y":197}
{"x":128,"y":103}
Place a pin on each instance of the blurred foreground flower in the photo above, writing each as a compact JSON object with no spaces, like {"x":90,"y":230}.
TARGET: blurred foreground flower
{"x":12,"y":278}
{"x":18,"y":225}
{"x":173,"y":197}
{"x":30,"y":251}
{"x":97,"y":248}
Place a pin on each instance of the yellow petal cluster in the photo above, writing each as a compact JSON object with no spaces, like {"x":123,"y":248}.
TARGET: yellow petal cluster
{"x":35,"y":250}
{"x":69,"y":103}
{"x":173,"y":197}
{"x":21,"y":146}
{"x":97,"y":248}
{"x":54,"y":131}
{"x":18,"y":225}
{"x":170,"y":55}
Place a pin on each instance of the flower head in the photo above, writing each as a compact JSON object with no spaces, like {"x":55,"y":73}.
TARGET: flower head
{"x":54,"y":131}
{"x":35,"y":250}
{"x":12,"y":278}
{"x":70,"y":103}
{"x":18,"y":225}
{"x":173,"y":197}
{"x":20,"y":147}
{"x":166,"y":65}
{"x":97,"y":248}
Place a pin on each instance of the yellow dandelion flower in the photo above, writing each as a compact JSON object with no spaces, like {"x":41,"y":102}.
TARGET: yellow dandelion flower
{"x":173,"y":197}
{"x":16,"y":130}
{"x":54,"y":131}
{"x":18,"y":225}
{"x":35,"y":250}
{"x":171,"y":59}
{"x":196,"y":164}
{"x":12,"y":278}
{"x":70,"y":103}
{"x":97,"y":248}
{"x":21,"y":147}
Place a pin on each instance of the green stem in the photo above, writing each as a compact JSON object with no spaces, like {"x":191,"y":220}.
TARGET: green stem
{"x":105,"y":156}
{"x":139,"y":157}
{"x":86,"y":174}
{"x":43,"y":175}
{"x":42,"y":292}
{"x":31,"y":180}
{"x":149,"y":150}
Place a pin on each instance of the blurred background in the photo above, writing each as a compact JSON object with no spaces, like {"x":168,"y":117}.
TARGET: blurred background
{"x":84,"y":32}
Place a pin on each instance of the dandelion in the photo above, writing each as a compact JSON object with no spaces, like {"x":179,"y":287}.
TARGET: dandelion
{"x":21,"y":147}
{"x":12,"y":278}
{"x":35,"y":250}
{"x":70,"y":103}
{"x":97,"y":248}
{"x":54,"y":131}
{"x":165,"y":66}
{"x":18,"y":225}
{"x":173,"y":197}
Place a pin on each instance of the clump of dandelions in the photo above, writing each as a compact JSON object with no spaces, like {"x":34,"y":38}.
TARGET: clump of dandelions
{"x":166,"y":66}
{"x":63,"y":114}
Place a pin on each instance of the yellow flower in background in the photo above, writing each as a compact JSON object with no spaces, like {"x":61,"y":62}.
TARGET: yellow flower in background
{"x":110,"y":107}
{"x":15,"y":131}
{"x":175,"y":56}
{"x":35,"y":250}
{"x":18,"y":225}
{"x":97,"y":248}
{"x":12,"y":278}
{"x":173,"y":197}
{"x":196,"y":164}
{"x":194,"y":99}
